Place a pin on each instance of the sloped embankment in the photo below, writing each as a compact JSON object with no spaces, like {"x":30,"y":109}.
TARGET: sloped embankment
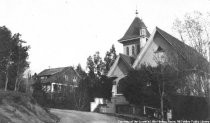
{"x":17,"y":107}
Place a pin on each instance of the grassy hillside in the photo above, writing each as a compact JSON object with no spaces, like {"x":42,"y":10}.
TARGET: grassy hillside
{"x":17,"y":107}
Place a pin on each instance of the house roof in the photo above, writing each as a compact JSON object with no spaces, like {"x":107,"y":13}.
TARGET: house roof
{"x":128,"y":60}
{"x":133,"y":31}
{"x":51,"y":71}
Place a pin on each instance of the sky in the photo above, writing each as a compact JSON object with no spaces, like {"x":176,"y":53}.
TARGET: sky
{"x":65,"y":32}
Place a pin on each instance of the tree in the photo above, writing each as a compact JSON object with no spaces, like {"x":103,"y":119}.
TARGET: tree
{"x":133,"y":86}
{"x":81,"y":96}
{"x":151,"y":86}
{"x":80,"y":71}
{"x":38,"y":92}
{"x":98,"y":64}
{"x":91,"y":69}
{"x":13,"y":58}
{"x":20,"y":57}
{"x":97,"y":69}
{"x":109,"y":59}
{"x":5,"y":54}
{"x":106,"y":87}
{"x":194,"y":30}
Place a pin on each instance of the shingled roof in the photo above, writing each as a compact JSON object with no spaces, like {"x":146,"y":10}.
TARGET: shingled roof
{"x":192,"y":58}
{"x":51,"y":71}
{"x":128,"y":60}
{"x":190,"y":55}
{"x":134,"y":30}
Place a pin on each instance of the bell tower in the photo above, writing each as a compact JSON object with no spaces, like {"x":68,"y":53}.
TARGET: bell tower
{"x":135,"y":37}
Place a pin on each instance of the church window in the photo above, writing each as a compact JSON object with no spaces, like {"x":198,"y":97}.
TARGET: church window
{"x":127,"y":50}
{"x":133,"y":50}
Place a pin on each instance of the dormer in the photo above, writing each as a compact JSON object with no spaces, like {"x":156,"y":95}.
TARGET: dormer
{"x":143,"y":32}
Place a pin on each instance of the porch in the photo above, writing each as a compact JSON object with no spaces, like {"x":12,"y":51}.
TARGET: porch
{"x":57,"y":91}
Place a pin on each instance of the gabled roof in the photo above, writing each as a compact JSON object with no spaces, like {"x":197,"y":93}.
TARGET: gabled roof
{"x":128,"y":60}
{"x":51,"y":71}
{"x":189,"y":54}
{"x":133,"y":31}
{"x":55,"y":72}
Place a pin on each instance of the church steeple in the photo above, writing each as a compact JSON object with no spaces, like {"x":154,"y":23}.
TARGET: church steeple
{"x":135,"y":37}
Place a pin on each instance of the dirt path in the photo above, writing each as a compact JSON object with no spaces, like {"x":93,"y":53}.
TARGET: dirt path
{"x":70,"y":116}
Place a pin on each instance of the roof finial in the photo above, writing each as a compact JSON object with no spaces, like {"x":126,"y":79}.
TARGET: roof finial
{"x":137,"y":12}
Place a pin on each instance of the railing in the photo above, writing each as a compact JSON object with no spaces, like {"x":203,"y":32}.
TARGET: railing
{"x":58,"y":96}
{"x":152,"y":112}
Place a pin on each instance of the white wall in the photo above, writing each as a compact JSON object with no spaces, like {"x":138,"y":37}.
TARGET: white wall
{"x":97,"y":101}
{"x":142,"y":44}
{"x":149,"y":56}
{"x":130,"y":49}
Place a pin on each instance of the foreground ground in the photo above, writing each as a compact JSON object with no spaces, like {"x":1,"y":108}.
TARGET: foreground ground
{"x":16,"y":107}
{"x":70,"y":116}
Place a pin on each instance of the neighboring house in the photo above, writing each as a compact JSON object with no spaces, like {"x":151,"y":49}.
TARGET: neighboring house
{"x":59,"y":80}
{"x":142,"y":48}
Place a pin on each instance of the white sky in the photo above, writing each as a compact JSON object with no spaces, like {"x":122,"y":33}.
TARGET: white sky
{"x":65,"y":32}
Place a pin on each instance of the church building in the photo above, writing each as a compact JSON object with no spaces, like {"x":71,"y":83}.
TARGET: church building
{"x":141,"y":47}
{"x":133,"y":42}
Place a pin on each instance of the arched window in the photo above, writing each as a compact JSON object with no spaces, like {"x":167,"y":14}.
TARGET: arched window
{"x":133,"y":50}
{"x":127,"y":50}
